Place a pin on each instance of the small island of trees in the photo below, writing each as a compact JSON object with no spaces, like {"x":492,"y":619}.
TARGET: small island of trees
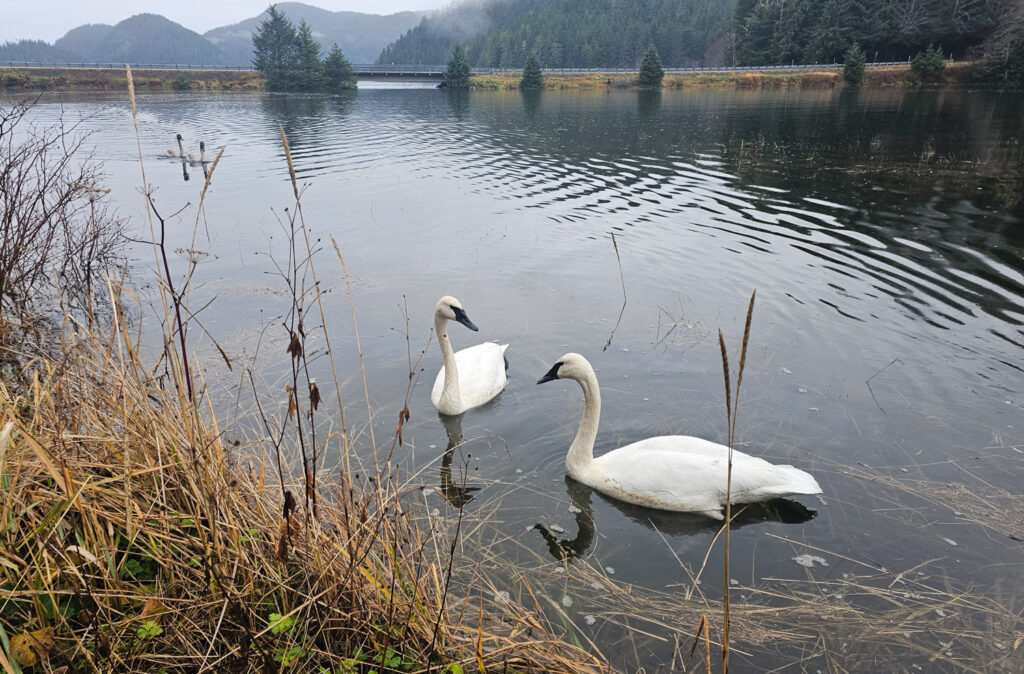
{"x":289,"y":57}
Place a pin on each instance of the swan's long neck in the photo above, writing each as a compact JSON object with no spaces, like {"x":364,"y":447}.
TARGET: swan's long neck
{"x":450,"y":393}
{"x":181,"y":149}
{"x":581,"y":453}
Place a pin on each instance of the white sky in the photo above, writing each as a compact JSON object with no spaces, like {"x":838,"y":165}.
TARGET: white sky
{"x":50,"y":19}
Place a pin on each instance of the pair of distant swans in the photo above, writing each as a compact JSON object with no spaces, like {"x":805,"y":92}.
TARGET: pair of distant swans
{"x":193,"y":157}
{"x":671,"y":472}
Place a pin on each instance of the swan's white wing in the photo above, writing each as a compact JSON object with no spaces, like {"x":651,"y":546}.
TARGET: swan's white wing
{"x":481,"y":374}
{"x":678,"y":472}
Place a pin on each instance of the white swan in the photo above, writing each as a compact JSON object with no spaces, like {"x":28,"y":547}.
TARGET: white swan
{"x":470,"y":377}
{"x":671,"y":472}
{"x":180,"y":152}
{"x":198,"y":157}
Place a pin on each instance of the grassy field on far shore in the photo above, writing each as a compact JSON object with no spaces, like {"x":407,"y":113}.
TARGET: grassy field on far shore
{"x":69,"y":79}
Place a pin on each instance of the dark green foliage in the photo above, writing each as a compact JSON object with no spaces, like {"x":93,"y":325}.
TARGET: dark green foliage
{"x":290,"y":58}
{"x":929,"y":63}
{"x":816,"y":31}
{"x":533,"y":77}
{"x":275,"y":50}
{"x":311,"y":68}
{"x":34,"y":50}
{"x":456,"y":75}
{"x":853,"y":64}
{"x":338,"y":73}
{"x":182,"y":83}
{"x":651,"y":72}
{"x":567,"y":33}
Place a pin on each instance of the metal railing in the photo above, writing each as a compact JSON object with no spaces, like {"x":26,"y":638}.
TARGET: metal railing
{"x":401,"y":69}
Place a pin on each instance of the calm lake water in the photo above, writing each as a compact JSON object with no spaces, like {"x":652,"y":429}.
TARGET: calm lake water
{"x":882,"y":232}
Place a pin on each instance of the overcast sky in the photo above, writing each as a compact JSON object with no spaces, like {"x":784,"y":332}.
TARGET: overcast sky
{"x":50,"y":19}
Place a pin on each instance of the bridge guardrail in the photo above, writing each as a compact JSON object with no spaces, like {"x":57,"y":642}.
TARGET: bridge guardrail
{"x":401,"y":69}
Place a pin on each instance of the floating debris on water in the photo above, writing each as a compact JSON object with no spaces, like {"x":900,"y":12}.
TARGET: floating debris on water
{"x":801,"y":390}
{"x":809,"y":560}
{"x":567,"y":601}
{"x":502,"y":597}
{"x":785,"y":370}
{"x":950,"y":541}
{"x":590,"y":620}
{"x":610,"y":570}
{"x":559,"y":530}
{"x":574,"y":510}
{"x":598,"y":586}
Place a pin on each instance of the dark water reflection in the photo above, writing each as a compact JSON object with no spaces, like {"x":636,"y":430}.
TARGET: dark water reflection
{"x":881,"y":228}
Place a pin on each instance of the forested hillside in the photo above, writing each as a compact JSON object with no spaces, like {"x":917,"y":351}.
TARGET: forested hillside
{"x":570,"y":33}
{"x":819,"y":31}
{"x":33,"y":50}
{"x":360,"y":36}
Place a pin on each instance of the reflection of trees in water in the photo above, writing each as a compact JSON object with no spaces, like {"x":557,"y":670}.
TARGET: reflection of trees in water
{"x":308,"y":119}
{"x":665,"y":522}
{"x":458,"y":103}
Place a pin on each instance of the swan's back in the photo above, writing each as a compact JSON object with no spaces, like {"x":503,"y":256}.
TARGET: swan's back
{"x":684,"y":473}
{"x":481,"y":371}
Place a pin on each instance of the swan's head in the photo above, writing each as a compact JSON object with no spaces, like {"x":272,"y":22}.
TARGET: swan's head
{"x":179,"y":137}
{"x":450,"y":309}
{"x":202,"y":146}
{"x":569,"y":366}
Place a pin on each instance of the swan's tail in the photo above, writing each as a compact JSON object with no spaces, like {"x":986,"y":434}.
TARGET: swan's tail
{"x":796,"y":481}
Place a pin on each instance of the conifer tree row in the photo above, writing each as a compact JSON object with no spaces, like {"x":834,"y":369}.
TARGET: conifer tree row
{"x":289,"y":58}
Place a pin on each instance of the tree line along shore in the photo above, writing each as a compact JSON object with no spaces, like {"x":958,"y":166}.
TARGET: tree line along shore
{"x":65,"y":79}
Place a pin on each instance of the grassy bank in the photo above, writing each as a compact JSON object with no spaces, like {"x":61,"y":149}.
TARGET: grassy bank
{"x":67,"y":79}
{"x":955,"y":74}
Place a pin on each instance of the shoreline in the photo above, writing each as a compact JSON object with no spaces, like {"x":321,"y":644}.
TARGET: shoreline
{"x":71,"y":79}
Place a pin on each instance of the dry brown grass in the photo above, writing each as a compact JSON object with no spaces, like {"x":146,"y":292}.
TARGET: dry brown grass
{"x":146,"y":543}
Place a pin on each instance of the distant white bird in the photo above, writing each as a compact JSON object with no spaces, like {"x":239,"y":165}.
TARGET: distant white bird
{"x":180,"y":152}
{"x":470,"y":377}
{"x":198,"y":157}
{"x":671,"y":472}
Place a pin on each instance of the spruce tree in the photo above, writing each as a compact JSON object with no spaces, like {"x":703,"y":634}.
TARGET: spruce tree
{"x":311,"y":68}
{"x":533,"y":77}
{"x":456,"y":75}
{"x":853,"y":64}
{"x":338,"y":72}
{"x":275,"y":50}
{"x":651,"y":72}
{"x":928,"y":64}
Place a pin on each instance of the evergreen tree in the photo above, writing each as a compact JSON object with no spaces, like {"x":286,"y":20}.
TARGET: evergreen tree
{"x":651,"y":72}
{"x":853,"y":64}
{"x":275,"y":50}
{"x":533,"y":77}
{"x":456,"y":75}
{"x":338,"y":72}
{"x":311,"y":68}
{"x":928,"y":64}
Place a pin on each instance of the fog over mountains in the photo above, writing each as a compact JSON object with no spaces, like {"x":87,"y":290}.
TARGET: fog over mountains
{"x":151,"y":38}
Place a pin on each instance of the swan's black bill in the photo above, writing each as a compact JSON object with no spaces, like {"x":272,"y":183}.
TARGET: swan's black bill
{"x":461,"y":317}
{"x":551,"y":375}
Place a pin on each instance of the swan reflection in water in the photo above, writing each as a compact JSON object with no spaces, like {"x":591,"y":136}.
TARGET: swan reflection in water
{"x":457,"y":494}
{"x":666,"y":522}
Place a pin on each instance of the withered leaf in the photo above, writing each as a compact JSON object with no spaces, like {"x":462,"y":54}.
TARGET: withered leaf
{"x":31,"y":647}
{"x":292,"y":405}
{"x":153,"y":609}
{"x":314,"y":395}
{"x":295,"y":346}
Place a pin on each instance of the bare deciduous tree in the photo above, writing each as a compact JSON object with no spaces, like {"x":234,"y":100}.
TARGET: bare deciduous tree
{"x":57,"y":231}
